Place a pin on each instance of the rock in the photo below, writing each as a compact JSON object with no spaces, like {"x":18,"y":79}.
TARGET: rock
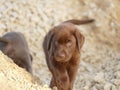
{"x":94,"y":88}
{"x":114,"y":87}
{"x":116,"y":82}
{"x":99,"y":77}
{"x":86,"y":88}
{"x":117,"y":74}
{"x":108,"y":86}
{"x":12,"y":77}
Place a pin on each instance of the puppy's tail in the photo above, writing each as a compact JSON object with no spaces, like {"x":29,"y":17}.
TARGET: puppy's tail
{"x":4,"y":40}
{"x":79,"y":22}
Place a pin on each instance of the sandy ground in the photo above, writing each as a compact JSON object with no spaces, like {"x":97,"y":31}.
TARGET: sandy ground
{"x":100,"y":61}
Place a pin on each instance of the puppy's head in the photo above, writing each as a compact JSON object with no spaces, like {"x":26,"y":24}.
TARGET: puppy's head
{"x":63,"y":41}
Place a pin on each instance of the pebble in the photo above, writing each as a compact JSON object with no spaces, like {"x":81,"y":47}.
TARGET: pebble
{"x":99,"y":77}
{"x":108,"y":86}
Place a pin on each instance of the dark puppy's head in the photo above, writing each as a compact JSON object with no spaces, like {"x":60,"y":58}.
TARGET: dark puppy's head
{"x":63,"y":40}
{"x":14,"y":45}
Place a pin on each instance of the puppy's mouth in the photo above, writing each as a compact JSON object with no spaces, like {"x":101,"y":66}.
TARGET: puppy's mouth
{"x":60,"y":59}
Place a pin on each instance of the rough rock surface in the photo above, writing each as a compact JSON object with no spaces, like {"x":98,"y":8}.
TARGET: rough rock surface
{"x":12,"y":77}
{"x":100,"y":61}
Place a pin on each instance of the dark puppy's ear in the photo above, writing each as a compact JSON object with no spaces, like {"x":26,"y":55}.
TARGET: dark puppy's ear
{"x":8,"y":47}
{"x":79,"y":39}
{"x":4,"y":40}
{"x":50,"y":38}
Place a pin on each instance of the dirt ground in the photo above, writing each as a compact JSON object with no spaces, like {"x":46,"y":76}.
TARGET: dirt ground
{"x":100,"y":61}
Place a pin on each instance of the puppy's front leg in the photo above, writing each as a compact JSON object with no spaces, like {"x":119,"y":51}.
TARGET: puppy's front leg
{"x":72,"y":71}
{"x":62,"y":79}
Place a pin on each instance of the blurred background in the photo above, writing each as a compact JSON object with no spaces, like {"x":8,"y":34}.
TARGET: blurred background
{"x":100,"y":60}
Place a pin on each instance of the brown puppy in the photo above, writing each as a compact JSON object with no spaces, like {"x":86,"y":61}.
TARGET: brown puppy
{"x":14,"y":45}
{"x":62,"y":46}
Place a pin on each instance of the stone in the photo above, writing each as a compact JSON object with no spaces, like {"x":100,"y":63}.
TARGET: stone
{"x":99,"y":77}
{"x":108,"y":86}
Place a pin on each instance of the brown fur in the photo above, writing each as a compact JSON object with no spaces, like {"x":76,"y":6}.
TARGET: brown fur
{"x":62,"y":46}
{"x":14,"y":45}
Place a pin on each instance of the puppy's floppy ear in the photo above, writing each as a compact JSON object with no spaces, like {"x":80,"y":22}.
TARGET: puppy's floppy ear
{"x":8,"y":47}
{"x":79,"y":39}
{"x":4,"y":40}
{"x":50,"y":38}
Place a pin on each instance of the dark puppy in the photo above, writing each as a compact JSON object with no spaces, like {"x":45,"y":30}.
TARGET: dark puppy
{"x":14,"y":45}
{"x":62,"y":46}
